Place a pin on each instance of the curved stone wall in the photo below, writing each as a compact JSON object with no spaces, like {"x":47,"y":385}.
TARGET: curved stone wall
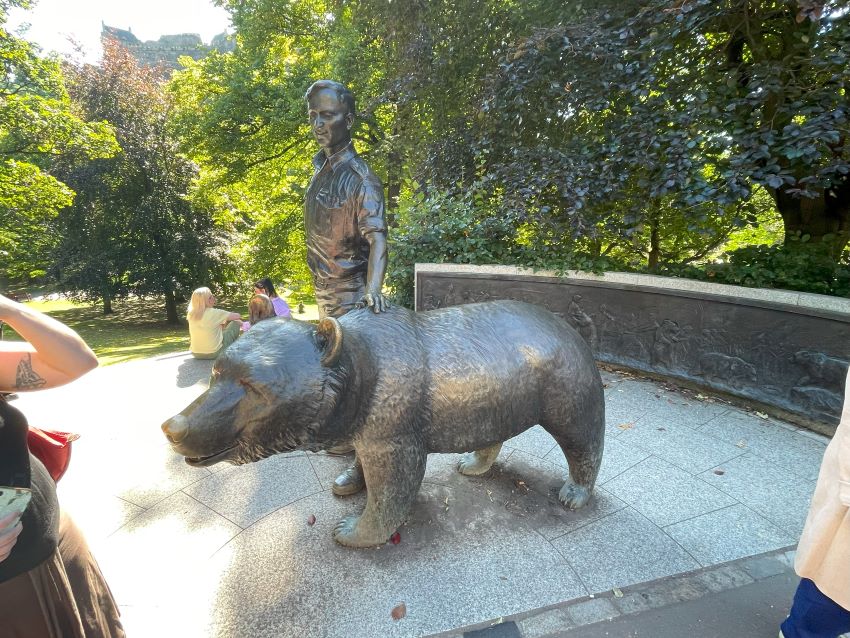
{"x":784,"y":349}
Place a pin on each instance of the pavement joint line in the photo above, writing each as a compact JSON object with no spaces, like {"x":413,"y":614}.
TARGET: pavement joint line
{"x":558,"y":619}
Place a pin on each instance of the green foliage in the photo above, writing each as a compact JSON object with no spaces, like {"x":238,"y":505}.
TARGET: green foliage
{"x":468,"y":229}
{"x":133,"y":227}
{"x":809,"y":269}
{"x":37,"y":128}
{"x":627,"y":135}
{"x":693,"y":104}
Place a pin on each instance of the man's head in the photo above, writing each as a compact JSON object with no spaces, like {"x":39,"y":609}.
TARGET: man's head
{"x":330,"y":109}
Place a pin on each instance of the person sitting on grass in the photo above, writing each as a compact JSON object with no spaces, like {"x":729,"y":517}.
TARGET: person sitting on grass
{"x":211,"y":329}
{"x":265,"y":286}
{"x":260,"y":307}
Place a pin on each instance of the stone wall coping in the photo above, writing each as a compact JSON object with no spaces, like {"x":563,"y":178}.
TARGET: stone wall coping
{"x":802,"y":300}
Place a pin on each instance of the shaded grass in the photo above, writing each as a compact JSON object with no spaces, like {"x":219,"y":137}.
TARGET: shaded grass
{"x":136,"y":330}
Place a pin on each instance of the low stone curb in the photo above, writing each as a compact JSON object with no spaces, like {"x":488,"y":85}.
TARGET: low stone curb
{"x":550,"y":622}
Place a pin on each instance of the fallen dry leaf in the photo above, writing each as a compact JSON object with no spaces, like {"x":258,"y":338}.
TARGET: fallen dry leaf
{"x":761,"y":415}
{"x":399,"y":611}
{"x":618,"y":593}
{"x":742,"y":443}
{"x":626,"y":426}
{"x":720,"y":472}
{"x":311,"y":520}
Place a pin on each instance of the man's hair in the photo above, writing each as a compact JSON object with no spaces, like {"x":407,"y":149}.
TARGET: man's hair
{"x":342,"y":93}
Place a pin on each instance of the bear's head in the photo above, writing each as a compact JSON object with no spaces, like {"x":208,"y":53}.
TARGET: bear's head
{"x":275,"y":389}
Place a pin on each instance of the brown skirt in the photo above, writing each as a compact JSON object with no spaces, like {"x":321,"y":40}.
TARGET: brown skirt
{"x":64,"y":597}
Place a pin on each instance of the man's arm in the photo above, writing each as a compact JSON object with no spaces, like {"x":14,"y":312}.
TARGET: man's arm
{"x":374,"y":297}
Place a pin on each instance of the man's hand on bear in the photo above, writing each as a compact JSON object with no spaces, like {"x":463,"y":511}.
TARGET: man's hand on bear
{"x":374,"y":300}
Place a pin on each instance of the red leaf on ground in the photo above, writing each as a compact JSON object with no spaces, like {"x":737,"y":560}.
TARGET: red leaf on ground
{"x":719,"y":472}
{"x":311,"y":520}
{"x":395,"y":539}
{"x":399,"y":611}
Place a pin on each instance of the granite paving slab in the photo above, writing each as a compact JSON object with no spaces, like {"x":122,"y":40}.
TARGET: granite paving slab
{"x":678,"y":444}
{"x":171,"y":542}
{"x":622,"y":549}
{"x":780,"y":497}
{"x":665,"y":494}
{"x":536,"y":441}
{"x":246,"y":493}
{"x":771,"y":440}
{"x":478,"y":554}
{"x":728,"y":534}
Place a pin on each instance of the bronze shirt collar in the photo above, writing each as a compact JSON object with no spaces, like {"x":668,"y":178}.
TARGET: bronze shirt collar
{"x":338,"y":159}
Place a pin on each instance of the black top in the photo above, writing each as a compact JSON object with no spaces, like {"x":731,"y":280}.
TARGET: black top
{"x":19,"y":468}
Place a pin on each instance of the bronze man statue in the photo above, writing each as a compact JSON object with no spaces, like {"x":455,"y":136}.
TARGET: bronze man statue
{"x":344,"y":223}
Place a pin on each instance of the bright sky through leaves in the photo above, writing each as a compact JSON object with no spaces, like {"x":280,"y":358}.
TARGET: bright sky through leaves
{"x":54,"y":21}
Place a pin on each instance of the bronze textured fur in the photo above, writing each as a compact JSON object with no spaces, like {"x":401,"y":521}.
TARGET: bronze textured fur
{"x":399,"y":385}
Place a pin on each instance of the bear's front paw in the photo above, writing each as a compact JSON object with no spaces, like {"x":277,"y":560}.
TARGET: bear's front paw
{"x":573,"y":496}
{"x":352,"y":532}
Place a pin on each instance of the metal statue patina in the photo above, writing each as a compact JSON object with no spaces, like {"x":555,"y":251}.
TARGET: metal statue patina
{"x":400,"y":385}
{"x":344,"y":222}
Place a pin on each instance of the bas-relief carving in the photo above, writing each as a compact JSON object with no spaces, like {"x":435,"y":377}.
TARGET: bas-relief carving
{"x":758,"y":353}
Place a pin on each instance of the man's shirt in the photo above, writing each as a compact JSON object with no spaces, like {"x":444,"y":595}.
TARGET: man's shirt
{"x":344,"y":203}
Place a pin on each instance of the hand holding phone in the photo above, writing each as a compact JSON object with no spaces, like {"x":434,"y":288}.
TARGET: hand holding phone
{"x":9,"y":536}
{"x":13,"y":502}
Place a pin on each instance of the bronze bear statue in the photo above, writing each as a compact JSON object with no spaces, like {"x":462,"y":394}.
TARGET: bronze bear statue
{"x":400,"y":385}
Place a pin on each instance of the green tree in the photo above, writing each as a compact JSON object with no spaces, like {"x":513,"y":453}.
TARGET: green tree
{"x":689,"y":105}
{"x":133,"y":228}
{"x":37,"y":127}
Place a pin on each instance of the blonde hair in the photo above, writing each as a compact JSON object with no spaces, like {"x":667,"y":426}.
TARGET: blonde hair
{"x":260,"y":307}
{"x":199,"y":303}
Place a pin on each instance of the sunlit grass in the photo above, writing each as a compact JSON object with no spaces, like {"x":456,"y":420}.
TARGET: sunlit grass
{"x":136,"y":330}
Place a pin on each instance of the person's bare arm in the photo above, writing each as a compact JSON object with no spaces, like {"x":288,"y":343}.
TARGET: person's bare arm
{"x":233,"y":316}
{"x":374,"y":297}
{"x":842,"y":436}
{"x":51,"y":355}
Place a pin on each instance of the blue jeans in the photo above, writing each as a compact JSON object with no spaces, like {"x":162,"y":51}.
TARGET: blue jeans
{"x":814,"y":615}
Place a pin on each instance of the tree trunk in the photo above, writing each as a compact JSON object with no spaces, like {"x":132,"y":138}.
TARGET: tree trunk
{"x":393,"y":178}
{"x":171,"y":307}
{"x":393,"y":187}
{"x":107,"y":304}
{"x":824,"y":219}
{"x":654,"y":243}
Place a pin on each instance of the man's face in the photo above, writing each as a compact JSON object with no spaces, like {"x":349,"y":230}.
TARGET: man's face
{"x":330,"y":120}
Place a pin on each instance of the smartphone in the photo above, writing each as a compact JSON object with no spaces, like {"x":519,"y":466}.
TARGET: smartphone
{"x":13,"y":500}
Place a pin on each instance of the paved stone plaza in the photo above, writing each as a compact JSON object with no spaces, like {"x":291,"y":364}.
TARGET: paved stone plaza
{"x":687,"y":482}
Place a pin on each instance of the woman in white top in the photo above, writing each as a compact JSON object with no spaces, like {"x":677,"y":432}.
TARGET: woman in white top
{"x":211,"y":329}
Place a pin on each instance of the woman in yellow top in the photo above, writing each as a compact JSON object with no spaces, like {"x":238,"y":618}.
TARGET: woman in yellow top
{"x":211,"y":329}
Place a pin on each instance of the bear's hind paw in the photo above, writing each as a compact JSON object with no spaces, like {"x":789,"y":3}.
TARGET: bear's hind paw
{"x":573,"y":496}
{"x":350,"y":532}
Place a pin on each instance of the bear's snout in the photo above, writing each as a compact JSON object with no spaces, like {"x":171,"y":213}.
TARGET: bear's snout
{"x":176,"y":428}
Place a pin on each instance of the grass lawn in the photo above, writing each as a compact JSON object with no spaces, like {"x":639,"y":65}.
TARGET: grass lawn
{"x":136,"y":330}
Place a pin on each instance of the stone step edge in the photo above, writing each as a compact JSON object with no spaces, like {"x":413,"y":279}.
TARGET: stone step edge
{"x":554,"y":620}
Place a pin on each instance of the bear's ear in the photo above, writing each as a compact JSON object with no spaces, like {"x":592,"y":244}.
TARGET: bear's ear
{"x":329,"y":337}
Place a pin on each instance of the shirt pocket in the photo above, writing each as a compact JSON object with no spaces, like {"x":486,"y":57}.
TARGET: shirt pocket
{"x":329,"y":201}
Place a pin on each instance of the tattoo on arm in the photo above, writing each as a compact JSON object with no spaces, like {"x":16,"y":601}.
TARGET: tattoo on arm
{"x":27,"y":378}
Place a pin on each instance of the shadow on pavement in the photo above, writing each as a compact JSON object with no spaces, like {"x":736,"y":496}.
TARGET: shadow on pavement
{"x":193,"y":370}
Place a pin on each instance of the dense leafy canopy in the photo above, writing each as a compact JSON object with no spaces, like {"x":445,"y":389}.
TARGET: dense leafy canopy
{"x":37,"y":126}
{"x":693,"y":137}
{"x":132,"y":227}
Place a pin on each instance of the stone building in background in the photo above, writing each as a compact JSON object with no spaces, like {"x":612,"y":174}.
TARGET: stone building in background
{"x":169,"y":48}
